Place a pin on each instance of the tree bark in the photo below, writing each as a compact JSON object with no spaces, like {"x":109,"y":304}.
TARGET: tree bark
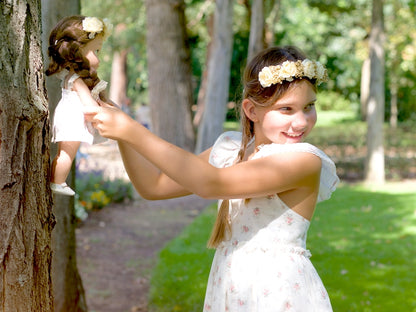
{"x":69,"y":295}
{"x":170,"y":87}
{"x":26,"y":218}
{"x":256,"y":40}
{"x":218,"y":76}
{"x":374,"y":169}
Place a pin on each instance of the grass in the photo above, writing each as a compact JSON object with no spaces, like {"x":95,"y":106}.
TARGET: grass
{"x":362,"y":241}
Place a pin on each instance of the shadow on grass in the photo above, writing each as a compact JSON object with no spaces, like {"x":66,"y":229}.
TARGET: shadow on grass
{"x":362,"y":244}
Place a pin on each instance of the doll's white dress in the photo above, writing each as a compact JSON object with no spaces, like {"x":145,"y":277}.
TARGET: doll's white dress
{"x":265,"y":265}
{"x":69,"y":122}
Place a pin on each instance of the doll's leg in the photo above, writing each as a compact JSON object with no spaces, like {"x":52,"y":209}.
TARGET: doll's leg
{"x":62,"y":163}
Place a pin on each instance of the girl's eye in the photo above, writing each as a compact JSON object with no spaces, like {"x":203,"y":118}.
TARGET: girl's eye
{"x":285,"y":109}
{"x":310,"y":106}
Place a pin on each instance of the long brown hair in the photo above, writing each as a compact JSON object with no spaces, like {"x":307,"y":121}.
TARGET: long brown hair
{"x":65,"y":43}
{"x":260,"y":96}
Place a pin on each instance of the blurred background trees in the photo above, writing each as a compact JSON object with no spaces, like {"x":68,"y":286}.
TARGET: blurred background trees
{"x":334,"y":32}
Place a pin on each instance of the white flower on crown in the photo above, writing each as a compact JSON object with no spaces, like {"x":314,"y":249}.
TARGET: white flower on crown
{"x":266,"y":77}
{"x":290,"y":70}
{"x":92,"y":25}
{"x":308,"y":68}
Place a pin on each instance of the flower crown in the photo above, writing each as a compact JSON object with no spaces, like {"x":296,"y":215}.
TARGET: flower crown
{"x":94,"y":25}
{"x":290,"y":70}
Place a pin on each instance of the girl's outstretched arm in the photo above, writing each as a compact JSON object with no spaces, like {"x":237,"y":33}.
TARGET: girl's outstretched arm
{"x":148,"y":180}
{"x":260,"y":177}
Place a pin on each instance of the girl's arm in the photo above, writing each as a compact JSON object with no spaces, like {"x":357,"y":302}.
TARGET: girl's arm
{"x":148,"y":180}
{"x":84,"y":93}
{"x":260,"y":177}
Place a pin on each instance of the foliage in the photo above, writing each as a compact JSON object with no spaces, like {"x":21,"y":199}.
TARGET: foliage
{"x":332,"y":101}
{"x":362,"y":244}
{"x":333,"y":31}
{"x":94,"y":191}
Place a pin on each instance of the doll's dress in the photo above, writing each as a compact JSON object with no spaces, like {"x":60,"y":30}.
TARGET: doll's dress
{"x":69,"y":123}
{"x":264,"y":266}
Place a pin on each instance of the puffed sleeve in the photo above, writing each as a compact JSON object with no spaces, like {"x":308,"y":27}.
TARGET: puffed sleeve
{"x":329,"y":179}
{"x":225,"y":150}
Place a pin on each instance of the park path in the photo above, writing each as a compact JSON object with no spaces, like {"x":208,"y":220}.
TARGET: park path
{"x":117,"y":246}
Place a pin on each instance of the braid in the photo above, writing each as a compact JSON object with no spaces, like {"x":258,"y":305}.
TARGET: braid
{"x":65,"y":45}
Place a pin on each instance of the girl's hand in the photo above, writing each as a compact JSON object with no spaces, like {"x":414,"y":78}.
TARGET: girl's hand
{"x":110,"y":121}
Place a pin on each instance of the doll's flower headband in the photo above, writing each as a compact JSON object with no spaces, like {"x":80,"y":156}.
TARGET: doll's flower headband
{"x":290,"y":70}
{"x":94,"y":25}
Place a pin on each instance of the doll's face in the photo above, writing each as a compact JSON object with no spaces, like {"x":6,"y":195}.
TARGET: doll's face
{"x":290,"y":119}
{"x":90,"y":51}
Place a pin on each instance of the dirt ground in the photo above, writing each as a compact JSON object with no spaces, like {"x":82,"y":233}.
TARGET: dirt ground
{"x":117,"y":246}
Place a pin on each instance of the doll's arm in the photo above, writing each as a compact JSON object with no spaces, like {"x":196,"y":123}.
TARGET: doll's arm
{"x":84,"y":93}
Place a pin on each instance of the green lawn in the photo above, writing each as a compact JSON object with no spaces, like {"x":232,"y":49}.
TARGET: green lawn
{"x":362,"y":242}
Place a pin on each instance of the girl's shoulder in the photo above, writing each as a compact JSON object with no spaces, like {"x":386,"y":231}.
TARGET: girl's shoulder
{"x":225,"y":149}
{"x":329,"y":179}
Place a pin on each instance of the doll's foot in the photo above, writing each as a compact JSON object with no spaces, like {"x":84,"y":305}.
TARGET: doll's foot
{"x":62,"y":189}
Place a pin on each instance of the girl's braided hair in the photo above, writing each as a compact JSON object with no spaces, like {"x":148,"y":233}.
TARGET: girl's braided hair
{"x":65,"y":43}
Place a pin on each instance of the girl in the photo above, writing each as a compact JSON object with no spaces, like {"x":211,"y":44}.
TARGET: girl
{"x":73,"y":47}
{"x":267,"y":179}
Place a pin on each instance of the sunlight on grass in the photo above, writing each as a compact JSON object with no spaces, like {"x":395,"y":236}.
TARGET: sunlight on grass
{"x":362,"y":241}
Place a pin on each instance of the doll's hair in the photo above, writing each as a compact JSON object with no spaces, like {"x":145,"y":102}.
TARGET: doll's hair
{"x":66,"y":41}
{"x":260,"y":96}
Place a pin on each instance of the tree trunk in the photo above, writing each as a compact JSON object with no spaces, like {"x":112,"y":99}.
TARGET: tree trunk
{"x":374,"y":172}
{"x":119,"y":78}
{"x":26,"y":218}
{"x":218,"y":76}
{"x":365,"y":88}
{"x":67,"y":284}
{"x":270,"y":36}
{"x":256,"y":40}
{"x":393,"y":104}
{"x":204,"y":80}
{"x":170,"y":88}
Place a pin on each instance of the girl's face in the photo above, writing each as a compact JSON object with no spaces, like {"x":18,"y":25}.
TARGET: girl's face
{"x":290,"y":119}
{"x":90,"y":51}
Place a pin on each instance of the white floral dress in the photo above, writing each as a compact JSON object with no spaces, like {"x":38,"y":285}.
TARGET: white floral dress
{"x":69,"y":122}
{"x":265,"y":265}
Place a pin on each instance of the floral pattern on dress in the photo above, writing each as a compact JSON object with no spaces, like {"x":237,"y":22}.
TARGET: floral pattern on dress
{"x":265,"y":265}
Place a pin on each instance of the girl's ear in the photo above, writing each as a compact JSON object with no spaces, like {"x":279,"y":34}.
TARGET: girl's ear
{"x":250,"y":110}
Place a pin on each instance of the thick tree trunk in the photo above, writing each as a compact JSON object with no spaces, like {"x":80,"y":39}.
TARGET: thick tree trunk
{"x":170,"y":88}
{"x":68,"y":290}
{"x":256,"y":40}
{"x":26,"y":219}
{"x":218,"y":76}
{"x":374,"y":172}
